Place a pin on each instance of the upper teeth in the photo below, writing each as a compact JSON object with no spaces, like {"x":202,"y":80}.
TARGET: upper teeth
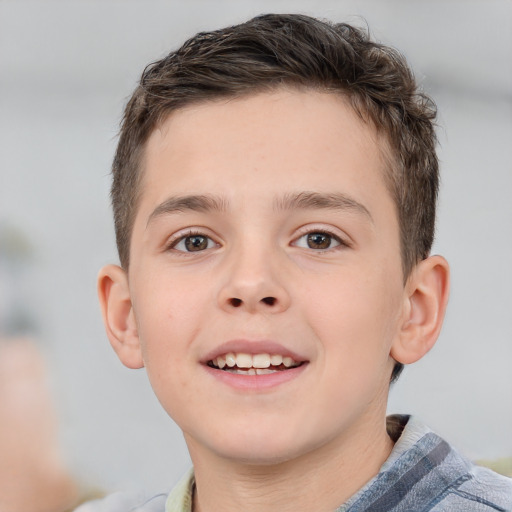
{"x":253,"y":361}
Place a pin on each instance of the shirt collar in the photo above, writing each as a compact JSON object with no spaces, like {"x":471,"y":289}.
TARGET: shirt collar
{"x":180,"y":498}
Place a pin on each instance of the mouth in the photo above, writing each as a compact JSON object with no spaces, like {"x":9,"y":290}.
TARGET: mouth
{"x":240,"y":363}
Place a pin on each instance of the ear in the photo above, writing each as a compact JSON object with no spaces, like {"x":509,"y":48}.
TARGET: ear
{"x":118,"y":316}
{"x":426,"y":297}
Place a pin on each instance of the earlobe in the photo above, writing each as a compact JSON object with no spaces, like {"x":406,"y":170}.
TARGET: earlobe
{"x":118,"y":316}
{"x":425,"y":304}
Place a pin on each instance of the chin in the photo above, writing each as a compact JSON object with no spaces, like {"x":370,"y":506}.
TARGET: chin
{"x":261,"y":449}
{"x":261,"y":439}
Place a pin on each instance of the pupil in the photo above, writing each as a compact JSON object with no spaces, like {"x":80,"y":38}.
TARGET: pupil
{"x":319,"y":241}
{"x":196,"y":243}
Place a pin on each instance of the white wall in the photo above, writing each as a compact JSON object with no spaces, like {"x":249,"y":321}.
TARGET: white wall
{"x":65,"y":71}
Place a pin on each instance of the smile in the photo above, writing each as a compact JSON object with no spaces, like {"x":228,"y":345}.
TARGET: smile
{"x":255,"y":364}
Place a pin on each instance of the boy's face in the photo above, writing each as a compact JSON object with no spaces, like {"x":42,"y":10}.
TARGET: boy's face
{"x":265,"y":227}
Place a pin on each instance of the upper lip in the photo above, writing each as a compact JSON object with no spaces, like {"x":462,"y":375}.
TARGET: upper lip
{"x":252,"y":347}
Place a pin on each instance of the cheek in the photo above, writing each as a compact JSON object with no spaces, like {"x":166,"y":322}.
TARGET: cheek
{"x":166,"y":304}
{"x":167,"y":359}
{"x":354,"y":315}
{"x":167,"y":323}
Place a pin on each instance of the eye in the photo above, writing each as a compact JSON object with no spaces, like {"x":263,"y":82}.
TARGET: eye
{"x":193,"y":243}
{"x":319,"y":240}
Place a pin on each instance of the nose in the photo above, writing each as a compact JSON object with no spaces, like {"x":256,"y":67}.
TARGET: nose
{"x":253,"y":283}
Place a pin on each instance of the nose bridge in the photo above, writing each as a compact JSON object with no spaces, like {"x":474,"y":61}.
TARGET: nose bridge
{"x":252,"y":280}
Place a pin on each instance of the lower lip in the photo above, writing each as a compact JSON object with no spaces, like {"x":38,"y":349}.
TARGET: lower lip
{"x":256,"y":382}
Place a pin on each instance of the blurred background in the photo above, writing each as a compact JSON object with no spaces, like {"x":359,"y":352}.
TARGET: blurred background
{"x":66,"y":70}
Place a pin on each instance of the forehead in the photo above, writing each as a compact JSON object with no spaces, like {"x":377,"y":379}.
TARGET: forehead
{"x":309,"y":136}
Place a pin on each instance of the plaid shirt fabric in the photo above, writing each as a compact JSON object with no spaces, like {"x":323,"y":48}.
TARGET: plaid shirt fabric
{"x":423,"y":473}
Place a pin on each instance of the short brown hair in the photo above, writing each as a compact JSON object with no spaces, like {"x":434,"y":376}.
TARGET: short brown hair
{"x":288,"y":50}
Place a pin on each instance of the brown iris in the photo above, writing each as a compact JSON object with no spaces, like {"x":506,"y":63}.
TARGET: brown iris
{"x":196,"y":243}
{"x":319,"y":240}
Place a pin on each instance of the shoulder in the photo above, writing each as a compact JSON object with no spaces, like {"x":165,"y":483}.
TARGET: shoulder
{"x":471,"y":488}
{"x":126,"y":502}
{"x":479,"y":489}
{"x":424,"y":472}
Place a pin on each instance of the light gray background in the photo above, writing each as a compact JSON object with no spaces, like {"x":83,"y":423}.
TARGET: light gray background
{"x":66,"y":69}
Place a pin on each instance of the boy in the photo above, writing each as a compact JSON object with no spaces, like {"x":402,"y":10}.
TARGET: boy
{"x":274,"y":193}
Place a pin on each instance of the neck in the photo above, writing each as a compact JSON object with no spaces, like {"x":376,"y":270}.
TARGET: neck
{"x":320,"y":480}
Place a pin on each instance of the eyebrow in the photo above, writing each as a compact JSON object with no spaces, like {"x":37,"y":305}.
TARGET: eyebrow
{"x":321,"y":201}
{"x":196,"y":203}
{"x":298,"y":201}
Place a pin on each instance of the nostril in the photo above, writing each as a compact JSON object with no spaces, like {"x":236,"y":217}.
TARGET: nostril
{"x":235,"y":302}
{"x":270,"y":301}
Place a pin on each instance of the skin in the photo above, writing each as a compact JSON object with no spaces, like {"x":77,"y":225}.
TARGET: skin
{"x":314,"y":440}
